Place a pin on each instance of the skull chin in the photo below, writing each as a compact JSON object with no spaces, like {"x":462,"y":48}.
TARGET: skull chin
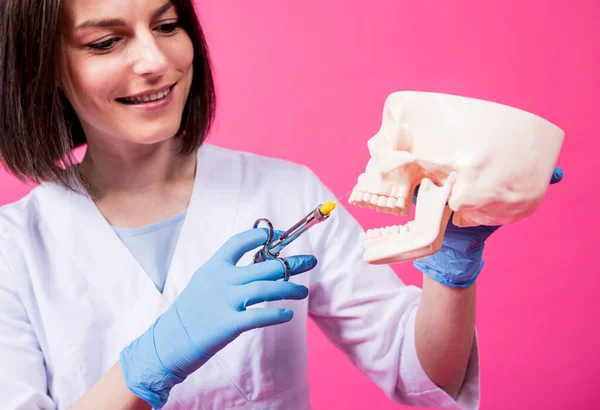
{"x":418,"y":238}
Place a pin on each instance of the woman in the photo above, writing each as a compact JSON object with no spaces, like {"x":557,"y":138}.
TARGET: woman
{"x":126,"y":280}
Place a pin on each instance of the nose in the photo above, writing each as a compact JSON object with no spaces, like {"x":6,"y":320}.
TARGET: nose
{"x":150,"y":59}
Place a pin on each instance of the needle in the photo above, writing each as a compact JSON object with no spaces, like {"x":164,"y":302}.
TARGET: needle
{"x":339,"y":198}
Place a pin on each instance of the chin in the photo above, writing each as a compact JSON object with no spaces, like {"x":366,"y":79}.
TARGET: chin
{"x":154,"y":135}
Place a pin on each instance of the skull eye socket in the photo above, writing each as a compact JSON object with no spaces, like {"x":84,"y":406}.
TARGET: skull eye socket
{"x":403,"y":139}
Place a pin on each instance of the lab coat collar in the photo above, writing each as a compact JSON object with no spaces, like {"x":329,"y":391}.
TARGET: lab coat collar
{"x":78,"y":225}
{"x":211,"y":215}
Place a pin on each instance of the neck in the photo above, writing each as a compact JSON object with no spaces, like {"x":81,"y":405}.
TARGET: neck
{"x":142,"y":169}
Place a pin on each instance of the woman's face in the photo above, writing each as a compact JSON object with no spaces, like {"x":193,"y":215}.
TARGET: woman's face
{"x":127,"y":69}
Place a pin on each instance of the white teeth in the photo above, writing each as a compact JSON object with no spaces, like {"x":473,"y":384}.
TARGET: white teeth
{"x":140,"y":99}
{"x":383,"y":203}
{"x":376,"y":233}
{"x":373,"y":233}
{"x":355,"y":196}
{"x":379,"y":202}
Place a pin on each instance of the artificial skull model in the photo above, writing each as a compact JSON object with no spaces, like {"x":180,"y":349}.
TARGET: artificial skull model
{"x":487,"y":162}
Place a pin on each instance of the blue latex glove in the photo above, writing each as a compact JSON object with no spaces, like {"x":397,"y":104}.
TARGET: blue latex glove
{"x":459,"y":261}
{"x":209,"y":314}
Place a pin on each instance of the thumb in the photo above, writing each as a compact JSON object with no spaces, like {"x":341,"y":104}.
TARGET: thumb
{"x":236,"y":246}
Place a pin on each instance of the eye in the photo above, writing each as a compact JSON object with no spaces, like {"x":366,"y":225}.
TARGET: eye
{"x":168,"y":28}
{"x":104,"y":45}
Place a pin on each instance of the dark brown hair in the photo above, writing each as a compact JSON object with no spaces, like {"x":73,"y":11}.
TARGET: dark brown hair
{"x":38,"y":126}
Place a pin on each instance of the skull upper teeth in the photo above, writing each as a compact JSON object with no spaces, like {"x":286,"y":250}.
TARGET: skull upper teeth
{"x":382,"y":203}
{"x":148,"y":97}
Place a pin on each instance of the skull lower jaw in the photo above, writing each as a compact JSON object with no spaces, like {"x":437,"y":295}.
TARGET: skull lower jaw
{"x":393,"y":247}
{"x":416,"y":239}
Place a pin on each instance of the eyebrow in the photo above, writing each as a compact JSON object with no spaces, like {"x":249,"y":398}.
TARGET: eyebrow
{"x":120,"y":22}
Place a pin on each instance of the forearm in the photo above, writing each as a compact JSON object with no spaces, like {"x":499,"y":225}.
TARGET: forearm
{"x":444,"y":333}
{"x":110,"y":392}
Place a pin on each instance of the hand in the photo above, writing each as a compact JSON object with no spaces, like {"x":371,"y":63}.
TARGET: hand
{"x":209,"y":314}
{"x":459,"y":260}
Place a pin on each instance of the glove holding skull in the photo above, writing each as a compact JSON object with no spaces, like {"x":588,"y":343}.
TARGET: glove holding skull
{"x":476,"y":164}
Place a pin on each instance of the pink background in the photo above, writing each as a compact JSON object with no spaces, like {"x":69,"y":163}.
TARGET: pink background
{"x":306,"y":81}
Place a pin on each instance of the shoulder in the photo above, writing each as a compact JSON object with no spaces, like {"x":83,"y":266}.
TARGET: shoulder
{"x":21,"y":220}
{"x":18,"y":227}
{"x":18,"y":215}
{"x":253,"y":160}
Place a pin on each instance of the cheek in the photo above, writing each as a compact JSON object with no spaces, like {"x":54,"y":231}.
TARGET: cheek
{"x":94,"y":80}
{"x":181,"y":52}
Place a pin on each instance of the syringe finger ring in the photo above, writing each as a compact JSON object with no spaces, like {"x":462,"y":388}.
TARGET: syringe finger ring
{"x":272,"y":248}
{"x":287,"y":270}
{"x":265,"y":254}
{"x":270,"y":229}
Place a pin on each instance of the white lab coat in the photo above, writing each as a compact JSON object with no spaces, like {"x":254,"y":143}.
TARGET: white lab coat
{"x":72,"y":296}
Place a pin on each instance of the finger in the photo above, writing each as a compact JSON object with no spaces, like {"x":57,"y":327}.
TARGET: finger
{"x":557,"y":175}
{"x":267,"y":291}
{"x":276,"y":234}
{"x":274,"y":269}
{"x":236,"y":246}
{"x":262,"y":317}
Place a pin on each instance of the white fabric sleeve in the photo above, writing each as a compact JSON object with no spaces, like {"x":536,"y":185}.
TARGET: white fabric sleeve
{"x":369,"y":313}
{"x":22,"y":370}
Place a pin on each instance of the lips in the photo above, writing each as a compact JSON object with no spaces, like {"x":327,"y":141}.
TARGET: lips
{"x":147,"y":97}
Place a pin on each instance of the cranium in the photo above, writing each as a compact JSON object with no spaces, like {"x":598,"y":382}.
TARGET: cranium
{"x":487,"y":162}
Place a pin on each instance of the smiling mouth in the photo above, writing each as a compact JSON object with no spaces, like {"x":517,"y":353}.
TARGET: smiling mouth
{"x":146,"y":98}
